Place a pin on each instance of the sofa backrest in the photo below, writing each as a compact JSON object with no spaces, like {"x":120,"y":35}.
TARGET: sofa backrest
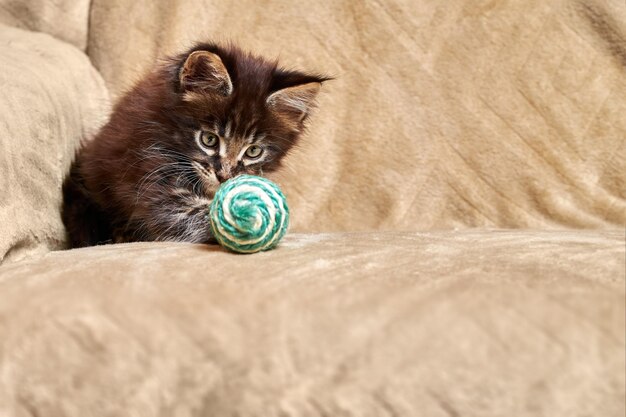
{"x":67,"y":20}
{"x":443,"y":114}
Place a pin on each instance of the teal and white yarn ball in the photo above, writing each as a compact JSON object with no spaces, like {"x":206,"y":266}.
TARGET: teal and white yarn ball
{"x":249,"y":214}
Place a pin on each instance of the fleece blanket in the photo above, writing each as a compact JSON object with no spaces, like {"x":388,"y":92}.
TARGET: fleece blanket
{"x":443,"y":114}
{"x":51,"y":98}
{"x":471,"y":114}
{"x":470,"y":323}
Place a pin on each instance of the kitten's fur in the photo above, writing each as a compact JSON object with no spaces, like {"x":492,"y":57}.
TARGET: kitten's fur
{"x":149,"y":174}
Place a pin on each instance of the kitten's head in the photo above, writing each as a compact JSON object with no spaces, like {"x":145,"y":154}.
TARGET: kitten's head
{"x":237,"y":113}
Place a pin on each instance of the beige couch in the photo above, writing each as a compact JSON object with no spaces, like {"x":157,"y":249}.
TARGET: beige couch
{"x":459,"y":209}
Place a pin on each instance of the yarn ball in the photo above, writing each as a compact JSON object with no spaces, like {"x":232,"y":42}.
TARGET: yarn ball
{"x":249,"y":214}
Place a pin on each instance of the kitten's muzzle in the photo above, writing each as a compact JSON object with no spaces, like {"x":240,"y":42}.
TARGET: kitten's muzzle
{"x":224,"y":176}
{"x":226,"y":172}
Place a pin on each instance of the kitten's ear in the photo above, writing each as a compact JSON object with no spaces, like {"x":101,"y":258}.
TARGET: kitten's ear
{"x":294,"y":102}
{"x":205,"y":71}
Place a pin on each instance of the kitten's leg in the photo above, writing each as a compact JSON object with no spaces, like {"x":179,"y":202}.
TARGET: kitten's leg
{"x":182,"y":216}
{"x":85,"y":223}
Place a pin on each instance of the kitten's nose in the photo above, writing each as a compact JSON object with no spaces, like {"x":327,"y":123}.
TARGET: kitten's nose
{"x":226,"y":171}
{"x":223,"y":175}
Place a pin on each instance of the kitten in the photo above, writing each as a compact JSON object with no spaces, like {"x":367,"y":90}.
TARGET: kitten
{"x":195,"y":121}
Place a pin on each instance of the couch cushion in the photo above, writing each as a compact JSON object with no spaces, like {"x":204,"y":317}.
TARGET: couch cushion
{"x":491,"y":323}
{"x":444,"y":114}
{"x":67,"y":20}
{"x":51,"y":99}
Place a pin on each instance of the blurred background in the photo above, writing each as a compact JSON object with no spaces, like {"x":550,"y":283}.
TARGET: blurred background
{"x":443,"y":114}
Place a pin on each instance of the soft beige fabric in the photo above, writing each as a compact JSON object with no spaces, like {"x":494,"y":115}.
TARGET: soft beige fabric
{"x":444,"y":113}
{"x":51,"y":98}
{"x":472,"y":324}
{"x":67,"y":20}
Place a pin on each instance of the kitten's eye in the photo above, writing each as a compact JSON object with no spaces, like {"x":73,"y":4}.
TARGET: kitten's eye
{"x":254,"y":151}
{"x":209,"y":139}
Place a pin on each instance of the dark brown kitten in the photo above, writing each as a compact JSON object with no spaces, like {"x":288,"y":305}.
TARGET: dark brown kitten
{"x":204,"y":116}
